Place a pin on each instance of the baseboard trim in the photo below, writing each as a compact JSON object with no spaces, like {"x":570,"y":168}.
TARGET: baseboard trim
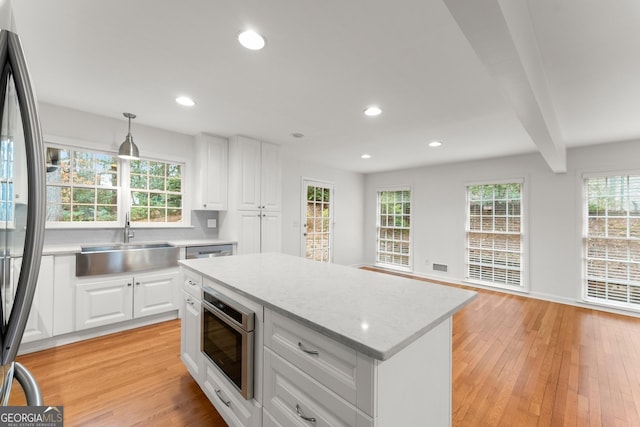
{"x":31,"y":347}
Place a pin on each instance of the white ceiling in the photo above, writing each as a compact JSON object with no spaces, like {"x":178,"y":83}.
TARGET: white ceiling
{"x":487,"y":78}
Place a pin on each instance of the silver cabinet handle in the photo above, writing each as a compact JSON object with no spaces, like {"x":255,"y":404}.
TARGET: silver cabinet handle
{"x":128,"y":284}
{"x":219,"y":394}
{"x":315,"y":352}
{"x":137,"y":283}
{"x":189,"y":301}
{"x":301,"y":415}
{"x":191,"y":283}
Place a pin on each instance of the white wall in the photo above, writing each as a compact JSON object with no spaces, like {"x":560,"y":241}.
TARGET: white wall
{"x":348,"y":208}
{"x":553,"y":209}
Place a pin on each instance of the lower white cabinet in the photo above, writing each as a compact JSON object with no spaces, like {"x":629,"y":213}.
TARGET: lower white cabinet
{"x":40,"y":321}
{"x":235,"y":410}
{"x":190,"y":332}
{"x":259,"y":231}
{"x":110,"y":300}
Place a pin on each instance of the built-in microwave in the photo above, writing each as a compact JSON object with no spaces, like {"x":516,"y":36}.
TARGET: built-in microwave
{"x":227,"y":339}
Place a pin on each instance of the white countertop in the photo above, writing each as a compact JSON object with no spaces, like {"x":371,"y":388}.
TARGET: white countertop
{"x":72,"y":248}
{"x":375,"y":313}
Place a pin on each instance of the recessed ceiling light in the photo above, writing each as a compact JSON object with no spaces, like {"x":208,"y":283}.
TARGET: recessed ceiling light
{"x":366,"y":156}
{"x":186,"y":101}
{"x":251,"y":40}
{"x":297,"y":135}
{"x":435,"y":144}
{"x":372,"y":111}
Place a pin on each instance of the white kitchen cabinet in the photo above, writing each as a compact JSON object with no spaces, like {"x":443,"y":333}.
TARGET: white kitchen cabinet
{"x":40,"y":321}
{"x":308,"y":374}
{"x":258,"y":231}
{"x":255,"y":172}
{"x":190,"y":332}
{"x":64,"y":295}
{"x":253,"y":219}
{"x":114,"y":299}
{"x":211,"y":166}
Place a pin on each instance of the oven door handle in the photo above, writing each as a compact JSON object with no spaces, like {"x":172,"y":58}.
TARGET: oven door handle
{"x":223,"y":317}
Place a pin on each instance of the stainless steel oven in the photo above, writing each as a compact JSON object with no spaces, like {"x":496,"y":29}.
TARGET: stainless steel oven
{"x":227,"y":338}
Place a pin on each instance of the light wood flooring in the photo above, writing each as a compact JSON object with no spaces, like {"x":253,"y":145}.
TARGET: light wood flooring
{"x":516,"y":362}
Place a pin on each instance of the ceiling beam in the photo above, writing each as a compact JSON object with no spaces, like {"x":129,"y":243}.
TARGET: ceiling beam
{"x":502,"y":36}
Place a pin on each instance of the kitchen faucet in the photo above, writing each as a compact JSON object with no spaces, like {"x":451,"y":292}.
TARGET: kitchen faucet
{"x":127,"y":229}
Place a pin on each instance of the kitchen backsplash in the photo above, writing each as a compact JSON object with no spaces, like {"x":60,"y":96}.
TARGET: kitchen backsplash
{"x":93,"y":235}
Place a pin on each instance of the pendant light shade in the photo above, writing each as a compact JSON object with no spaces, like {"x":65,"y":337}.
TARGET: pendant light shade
{"x":128,"y":149}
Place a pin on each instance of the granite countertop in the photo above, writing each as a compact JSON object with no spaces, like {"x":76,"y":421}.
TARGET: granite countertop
{"x":73,"y":248}
{"x":376,"y":314}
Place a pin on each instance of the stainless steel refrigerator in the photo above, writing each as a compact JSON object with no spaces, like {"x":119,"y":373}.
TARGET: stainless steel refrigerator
{"x":22,"y":206}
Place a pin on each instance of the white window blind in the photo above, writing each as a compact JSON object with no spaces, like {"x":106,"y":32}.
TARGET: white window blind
{"x":494,"y":234}
{"x":612,"y":240}
{"x":394,"y":229}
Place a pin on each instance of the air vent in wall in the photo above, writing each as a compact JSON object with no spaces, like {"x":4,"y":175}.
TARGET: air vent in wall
{"x":440,"y":267}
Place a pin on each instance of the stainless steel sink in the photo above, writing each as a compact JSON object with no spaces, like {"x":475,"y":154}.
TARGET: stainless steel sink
{"x":125,"y":257}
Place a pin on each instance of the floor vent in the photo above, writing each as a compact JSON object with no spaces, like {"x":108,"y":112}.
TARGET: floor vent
{"x":440,"y":267}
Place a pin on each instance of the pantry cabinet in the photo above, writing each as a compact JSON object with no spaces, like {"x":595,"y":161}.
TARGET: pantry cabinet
{"x":114,"y":299}
{"x":211,"y":171}
{"x":253,"y":218}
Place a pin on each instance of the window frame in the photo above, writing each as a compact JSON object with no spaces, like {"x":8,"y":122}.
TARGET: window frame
{"x":88,"y":224}
{"x":128,"y":197}
{"x":123,"y":178}
{"x":523,"y":287}
{"x":409,"y":267}
{"x":584,"y":239}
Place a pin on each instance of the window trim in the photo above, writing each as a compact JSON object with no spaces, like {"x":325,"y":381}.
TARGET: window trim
{"x":524,"y":286}
{"x":82,"y":145}
{"x":409,"y":267}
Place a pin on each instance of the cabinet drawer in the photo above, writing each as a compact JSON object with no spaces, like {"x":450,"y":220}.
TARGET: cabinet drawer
{"x":192,"y":283}
{"x":235,"y":410}
{"x":334,"y":365}
{"x":295,"y":399}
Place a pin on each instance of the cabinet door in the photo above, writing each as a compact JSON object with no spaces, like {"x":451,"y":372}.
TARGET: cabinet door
{"x":249,"y":235}
{"x":270,"y":235}
{"x":155,"y":293}
{"x":211,"y":166}
{"x":40,"y":322}
{"x":190,"y":336}
{"x":103,"y":302}
{"x":246,"y":163}
{"x":271,"y":177}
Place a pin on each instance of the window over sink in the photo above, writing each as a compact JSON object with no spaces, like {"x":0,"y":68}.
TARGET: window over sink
{"x":89,"y":186}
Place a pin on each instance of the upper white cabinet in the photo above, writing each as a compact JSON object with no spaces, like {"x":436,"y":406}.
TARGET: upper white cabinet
{"x":254,"y":174}
{"x":211,"y":166}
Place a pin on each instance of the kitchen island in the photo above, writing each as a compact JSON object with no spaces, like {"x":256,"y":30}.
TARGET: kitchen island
{"x":395,"y":331}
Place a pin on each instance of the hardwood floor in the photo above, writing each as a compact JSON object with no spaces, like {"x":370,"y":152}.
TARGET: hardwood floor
{"x":132,"y":378}
{"x":516,"y":362}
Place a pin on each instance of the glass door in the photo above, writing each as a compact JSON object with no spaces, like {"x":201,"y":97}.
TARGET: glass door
{"x":317,"y":221}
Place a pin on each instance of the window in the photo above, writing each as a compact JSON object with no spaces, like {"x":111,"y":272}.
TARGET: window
{"x":612,"y":240}
{"x":156,"y":191}
{"x":6,"y":181}
{"x":494,"y":234}
{"x":82,"y":186}
{"x":85,"y":187}
{"x":394,"y":229}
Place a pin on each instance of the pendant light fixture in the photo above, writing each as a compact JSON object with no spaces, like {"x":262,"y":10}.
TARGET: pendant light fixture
{"x":129,"y":150}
